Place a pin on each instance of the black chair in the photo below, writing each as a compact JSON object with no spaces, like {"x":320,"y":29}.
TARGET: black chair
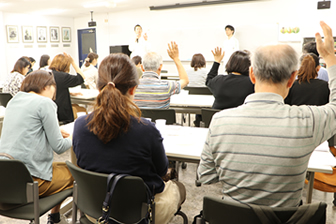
{"x":129,"y":200}
{"x":198,"y":90}
{"x":207,"y":115}
{"x":168,"y":114}
{"x":218,"y":211}
{"x":19,"y":195}
{"x":5,"y":98}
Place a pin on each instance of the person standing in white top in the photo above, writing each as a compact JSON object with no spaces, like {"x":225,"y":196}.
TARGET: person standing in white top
{"x":90,"y":71}
{"x":139,"y":46}
{"x":230,"y":45}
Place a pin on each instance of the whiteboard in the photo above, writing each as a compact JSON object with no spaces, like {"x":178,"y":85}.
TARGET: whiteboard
{"x":203,"y":40}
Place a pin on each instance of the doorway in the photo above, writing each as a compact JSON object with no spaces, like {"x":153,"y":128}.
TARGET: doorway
{"x":86,"y":43}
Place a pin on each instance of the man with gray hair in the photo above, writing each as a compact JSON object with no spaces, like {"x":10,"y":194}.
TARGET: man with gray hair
{"x":260,"y":150}
{"x":152,"y":92}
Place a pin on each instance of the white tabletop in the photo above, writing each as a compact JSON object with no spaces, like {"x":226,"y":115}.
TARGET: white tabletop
{"x":87,"y":94}
{"x":187,"y":144}
{"x":186,"y":100}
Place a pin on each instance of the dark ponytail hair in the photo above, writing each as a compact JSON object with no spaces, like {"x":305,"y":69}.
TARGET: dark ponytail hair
{"x":89,"y":59}
{"x":307,"y":71}
{"x":113,"y":109}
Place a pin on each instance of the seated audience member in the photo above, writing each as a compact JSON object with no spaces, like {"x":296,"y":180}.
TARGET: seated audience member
{"x":197,"y":74}
{"x":307,"y":89}
{"x":310,"y":47}
{"x":137,"y":60}
{"x":260,"y":150}
{"x":115,"y":139}
{"x":45,"y":62}
{"x":153,"y":92}
{"x":60,"y":67}
{"x":32,"y":63}
{"x":13,"y":82}
{"x":232,"y":89}
{"x":31,"y":134}
{"x":90,"y":71}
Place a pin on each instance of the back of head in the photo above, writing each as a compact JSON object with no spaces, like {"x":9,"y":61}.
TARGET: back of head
{"x":239,"y":62}
{"x":310,"y":47}
{"x":31,"y":59}
{"x":308,"y":71}
{"x":274,"y":63}
{"x":114,"y":107}
{"x":197,"y":61}
{"x":152,"y":61}
{"x":20,"y":64}
{"x":44,"y":60}
{"x":36,"y":81}
{"x":89,"y":59}
{"x":137,"y":60}
{"x":60,"y":63}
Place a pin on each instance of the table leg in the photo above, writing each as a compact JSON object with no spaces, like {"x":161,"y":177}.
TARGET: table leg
{"x":310,"y":186}
{"x":189,"y":119}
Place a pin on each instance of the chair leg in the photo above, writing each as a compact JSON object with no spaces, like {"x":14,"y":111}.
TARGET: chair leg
{"x":334,"y":201}
{"x":185,"y":218}
{"x":74,"y":205}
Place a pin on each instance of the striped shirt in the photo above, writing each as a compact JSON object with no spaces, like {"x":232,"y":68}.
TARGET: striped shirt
{"x":154,"y":93}
{"x":260,"y":150}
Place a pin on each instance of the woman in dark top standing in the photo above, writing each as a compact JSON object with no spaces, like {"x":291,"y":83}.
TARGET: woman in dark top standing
{"x":307,"y":89}
{"x":115,"y":139}
{"x":60,"y":67}
{"x":232,"y":89}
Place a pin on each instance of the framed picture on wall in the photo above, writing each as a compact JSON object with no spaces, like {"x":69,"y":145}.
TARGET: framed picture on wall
{"x":12,"y":34}
{"x":54,"y":34}
{"x":27,"y":34}
{"x":66,"y":34}
{"x":41,"y":34}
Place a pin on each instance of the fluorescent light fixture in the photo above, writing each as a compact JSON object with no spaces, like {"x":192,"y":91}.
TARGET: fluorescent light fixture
{"x":203,"y":3}
{"x":53,"y":11}
{"x":109,"y":4}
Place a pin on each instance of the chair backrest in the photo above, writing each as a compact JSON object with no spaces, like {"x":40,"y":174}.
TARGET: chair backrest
{"x":5,"y":98}
{"x":198,"y":90}
{"x":207,"y":115}
{"x":168,"y":114}
{"x":14,"y":177}
{"x":129,"y":200}
{"x":215,"y":211}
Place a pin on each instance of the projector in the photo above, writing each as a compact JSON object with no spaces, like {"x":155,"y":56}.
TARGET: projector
{"x":92,"y":23}
{"x":323,"y":5}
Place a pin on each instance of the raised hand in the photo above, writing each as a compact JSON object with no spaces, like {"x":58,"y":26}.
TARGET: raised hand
{"x":326,"y":48}
{"x":173,"y":50}
{"x":218,"y":55}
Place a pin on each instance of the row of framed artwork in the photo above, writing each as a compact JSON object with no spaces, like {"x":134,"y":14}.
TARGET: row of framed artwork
{"x":41,"y":34}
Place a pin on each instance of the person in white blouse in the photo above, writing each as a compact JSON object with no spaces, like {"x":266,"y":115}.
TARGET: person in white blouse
{"x":45,"y":62}
{"x":139,"y":46}
{"x":90,"y":71}
{"x":230,"y":45}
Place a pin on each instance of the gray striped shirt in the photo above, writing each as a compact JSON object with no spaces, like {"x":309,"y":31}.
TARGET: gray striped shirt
{"x":154,"y":93}
{"x":260,"y":150}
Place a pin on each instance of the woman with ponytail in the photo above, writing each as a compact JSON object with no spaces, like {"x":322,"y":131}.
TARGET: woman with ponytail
{"x":115,"y":139}
{"x":307,"y":89}
{"x":90,"y":71}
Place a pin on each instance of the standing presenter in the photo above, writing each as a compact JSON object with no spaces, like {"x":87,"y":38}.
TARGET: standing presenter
{"x":139,"y":46}
{"x":230,"y":45}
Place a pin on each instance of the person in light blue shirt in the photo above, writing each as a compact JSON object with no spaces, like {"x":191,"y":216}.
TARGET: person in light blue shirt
{"x":31,"y":134}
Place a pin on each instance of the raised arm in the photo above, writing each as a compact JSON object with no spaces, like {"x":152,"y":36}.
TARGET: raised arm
{"x":218,"y":57}
{"x":326,"y":48}
{"x":74,"y":65}
{"x":173,"y":53}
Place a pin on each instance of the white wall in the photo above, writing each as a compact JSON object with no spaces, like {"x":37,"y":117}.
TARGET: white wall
{"x":256,"y":23}
{"x":13,"y":51}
